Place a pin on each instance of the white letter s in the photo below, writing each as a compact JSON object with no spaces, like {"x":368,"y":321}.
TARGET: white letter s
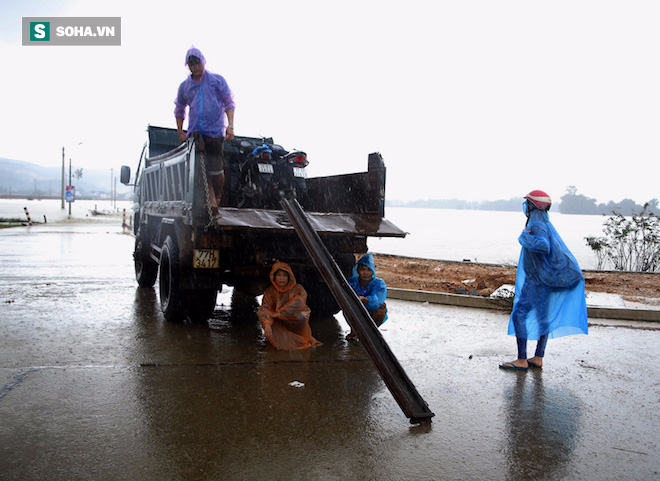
{"x":39,"y":30}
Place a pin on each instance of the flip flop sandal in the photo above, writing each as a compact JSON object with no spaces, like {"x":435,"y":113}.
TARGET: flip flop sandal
{"x":512,"y":367}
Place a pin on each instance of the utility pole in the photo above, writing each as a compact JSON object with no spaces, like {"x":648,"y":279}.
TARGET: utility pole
{"x":69,"y":184}
{"x":63,"y":184}
{"x":62,"y":178}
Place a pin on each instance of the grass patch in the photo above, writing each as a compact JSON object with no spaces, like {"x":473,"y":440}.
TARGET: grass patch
{"x":6,"y":223}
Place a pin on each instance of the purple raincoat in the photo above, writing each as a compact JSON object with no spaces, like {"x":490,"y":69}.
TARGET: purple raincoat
{"x":208,"y":100}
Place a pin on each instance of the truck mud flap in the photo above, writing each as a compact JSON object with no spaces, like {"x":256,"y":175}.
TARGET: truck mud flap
{"x":396,"y":379}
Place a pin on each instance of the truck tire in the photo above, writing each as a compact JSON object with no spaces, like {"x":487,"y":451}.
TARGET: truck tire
{"x":243,"y":304}
{"x":145,"y":272}
{"x":320,"y":300}
{"x":200,"y":304}
{"x":171,"y":300}
{"x":319,"y":297}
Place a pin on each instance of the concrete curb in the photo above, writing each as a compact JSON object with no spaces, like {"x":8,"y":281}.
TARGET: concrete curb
{"x":463,"y":300}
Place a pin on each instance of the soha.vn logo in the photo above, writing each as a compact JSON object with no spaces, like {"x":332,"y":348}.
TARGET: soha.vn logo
{"x":72,"y":31}
{"x":40,"y":31}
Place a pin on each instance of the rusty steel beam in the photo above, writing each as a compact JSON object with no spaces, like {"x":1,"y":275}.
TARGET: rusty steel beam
{"x":396,"y":379}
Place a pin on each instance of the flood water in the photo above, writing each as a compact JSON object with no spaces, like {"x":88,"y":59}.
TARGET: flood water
{"x":480,"y":236}
{"x":443,"y":234}
{"x":95,"y":384}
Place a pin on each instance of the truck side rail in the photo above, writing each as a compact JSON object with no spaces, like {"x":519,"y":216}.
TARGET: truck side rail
{"x":361,"y":193}
{"x":396,"y":379}
{"x":168,"y":179}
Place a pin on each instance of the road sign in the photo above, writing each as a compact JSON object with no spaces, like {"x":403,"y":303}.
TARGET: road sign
{"x":70,"y":194}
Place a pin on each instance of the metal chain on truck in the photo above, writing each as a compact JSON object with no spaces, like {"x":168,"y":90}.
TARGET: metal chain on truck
{"x":212,"y":222}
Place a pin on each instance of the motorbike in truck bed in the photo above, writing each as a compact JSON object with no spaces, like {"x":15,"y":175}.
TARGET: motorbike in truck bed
{"x":193,"y":249}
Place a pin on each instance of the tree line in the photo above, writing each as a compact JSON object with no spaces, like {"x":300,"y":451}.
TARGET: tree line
{"x":574,"y":203}
{"x":570,"y":203}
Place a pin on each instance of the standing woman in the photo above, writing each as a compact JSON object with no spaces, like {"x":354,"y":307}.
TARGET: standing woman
{"x":550,"y":300}
{"x":284,"y":314}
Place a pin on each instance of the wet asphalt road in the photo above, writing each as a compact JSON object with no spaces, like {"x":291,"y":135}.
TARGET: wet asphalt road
{"x":94,"y":384}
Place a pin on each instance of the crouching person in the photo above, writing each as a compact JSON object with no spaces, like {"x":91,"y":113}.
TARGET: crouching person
{"x":371,"y":290}
{"x":284,"y":314}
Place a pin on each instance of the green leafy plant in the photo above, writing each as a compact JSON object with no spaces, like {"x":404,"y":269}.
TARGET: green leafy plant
{"x":630,"y":243}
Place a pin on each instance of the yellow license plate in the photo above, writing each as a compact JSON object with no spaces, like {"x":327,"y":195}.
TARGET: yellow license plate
{"x":206,"y":258}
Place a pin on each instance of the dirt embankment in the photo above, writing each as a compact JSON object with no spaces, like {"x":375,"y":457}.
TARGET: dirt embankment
{"x":467,"y":277}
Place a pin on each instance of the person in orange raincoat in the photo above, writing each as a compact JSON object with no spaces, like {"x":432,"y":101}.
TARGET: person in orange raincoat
{"x":284,"y":314}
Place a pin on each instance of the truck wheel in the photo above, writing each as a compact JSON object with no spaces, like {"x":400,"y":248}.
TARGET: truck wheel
{"x":201,"y":304}
{"x":171,"y":302}
{"x":319,"y":297}
{"x":243,"y":303}
{"x":145,"y":272}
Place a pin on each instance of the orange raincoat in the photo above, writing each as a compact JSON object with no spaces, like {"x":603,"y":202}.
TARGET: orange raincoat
{"x":285,"y":309}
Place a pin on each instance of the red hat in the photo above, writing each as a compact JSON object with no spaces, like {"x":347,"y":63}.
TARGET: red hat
{"x":540,"y":199}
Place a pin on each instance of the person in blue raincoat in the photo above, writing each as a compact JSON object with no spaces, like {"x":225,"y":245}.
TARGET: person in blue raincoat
{"x":549,"y":300}
{"x":371,"y":290}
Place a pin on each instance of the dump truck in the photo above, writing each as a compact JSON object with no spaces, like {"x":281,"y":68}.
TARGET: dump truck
{"x":194,"y":249}
{"x":270,"y":210}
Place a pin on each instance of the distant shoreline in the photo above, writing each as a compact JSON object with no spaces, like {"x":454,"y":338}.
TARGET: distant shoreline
{"x":52,"y":197}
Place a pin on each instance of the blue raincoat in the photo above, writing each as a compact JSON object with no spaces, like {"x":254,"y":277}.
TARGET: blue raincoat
{"x":550,"y":295}
{"x":208,"y":100}
{"x":375,"y":291}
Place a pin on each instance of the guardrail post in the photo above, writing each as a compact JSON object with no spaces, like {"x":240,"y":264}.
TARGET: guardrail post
{"x":28,"y":215}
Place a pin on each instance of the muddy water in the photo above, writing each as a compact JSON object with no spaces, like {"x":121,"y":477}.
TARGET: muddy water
{"x":94,"y":384}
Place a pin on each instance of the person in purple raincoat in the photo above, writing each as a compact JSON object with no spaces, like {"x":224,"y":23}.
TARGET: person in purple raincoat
{"x":209,"y":100}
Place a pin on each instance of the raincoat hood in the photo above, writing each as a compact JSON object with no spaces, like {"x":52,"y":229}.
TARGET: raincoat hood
{"x":365,"y":260}
{"x":283,"y":266}
{"x":197,"y":53}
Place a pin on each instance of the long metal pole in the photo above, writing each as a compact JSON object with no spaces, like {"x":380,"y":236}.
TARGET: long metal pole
{"x":392,"y":373}
{"x":62,"y":177}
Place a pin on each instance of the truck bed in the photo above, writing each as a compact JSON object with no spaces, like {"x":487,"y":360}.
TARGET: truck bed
{"x":343,"y":205}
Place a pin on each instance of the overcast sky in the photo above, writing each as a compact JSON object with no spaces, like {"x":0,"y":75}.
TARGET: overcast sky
{"x":468,"y":99}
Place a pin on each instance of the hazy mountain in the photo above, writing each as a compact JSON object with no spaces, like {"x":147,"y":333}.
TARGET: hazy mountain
{"x":24,"y":178}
